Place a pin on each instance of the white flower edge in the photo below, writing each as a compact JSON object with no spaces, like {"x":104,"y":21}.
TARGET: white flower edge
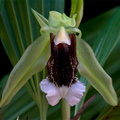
{"x":72,"y":94}
{"x":17,"y":118}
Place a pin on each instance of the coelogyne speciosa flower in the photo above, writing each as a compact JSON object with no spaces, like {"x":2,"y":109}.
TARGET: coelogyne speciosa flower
{"x":69,"y":53}
{"x":64,"y":53}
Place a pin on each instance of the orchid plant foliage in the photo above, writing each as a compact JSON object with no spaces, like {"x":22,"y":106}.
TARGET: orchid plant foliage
{"x":61,"y":50}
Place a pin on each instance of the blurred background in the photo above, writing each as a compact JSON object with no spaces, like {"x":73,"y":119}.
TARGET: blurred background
{"x":92,"y":8}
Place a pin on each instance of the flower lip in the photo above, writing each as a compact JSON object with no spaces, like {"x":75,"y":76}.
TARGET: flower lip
{"x":62,"y":65}
{"x":62,"y":37}
{"x":72,"y":94}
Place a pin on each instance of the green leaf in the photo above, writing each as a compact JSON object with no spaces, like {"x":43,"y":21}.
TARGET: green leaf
{"x":108,"y":37}
{"x":91,"y":69}
{"x":91,"y":28}
{"x":1,"y":4}
{"x":8,"y":42}
{"x":56,"y":5}
{"x":15,"y":108}
{"x":111,"y":112}
{"x":112,"y":67}
{"x":33,"y":60}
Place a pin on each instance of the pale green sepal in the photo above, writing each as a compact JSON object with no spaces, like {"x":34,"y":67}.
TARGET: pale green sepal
{"x":33,"y":60}
{"x":94,"y":73}
{"x":41,"y":20}
{"x":57,"y":20}
{"x":77,"y":8}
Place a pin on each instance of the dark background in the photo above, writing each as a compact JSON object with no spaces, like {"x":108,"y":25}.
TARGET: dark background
{"x":92,"y":8}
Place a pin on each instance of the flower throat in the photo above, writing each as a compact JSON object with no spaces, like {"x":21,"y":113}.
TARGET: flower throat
{"x":62,"y":65}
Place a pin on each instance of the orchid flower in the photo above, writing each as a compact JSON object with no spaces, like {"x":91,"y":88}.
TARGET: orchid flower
{"x":63,"y":63}
{"x":62,"y":51}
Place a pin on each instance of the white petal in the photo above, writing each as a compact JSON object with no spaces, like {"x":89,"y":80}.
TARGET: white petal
{"x":62,"y":37}
{"x":75,"y":93}
{"x":45,"y":86}
{"x":53,"y":99}
{"x":72,"y":94}
{"x":63,"y":91}
{"x":17,"y":118}
{"x":53,"y":95}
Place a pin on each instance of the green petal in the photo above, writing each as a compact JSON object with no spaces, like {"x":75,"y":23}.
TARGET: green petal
{"x":41,"y":20}
{"x":94,"y":73}
{"x":33,"y":60}
{"x":56,"y":20}
{"x":77,"y":9}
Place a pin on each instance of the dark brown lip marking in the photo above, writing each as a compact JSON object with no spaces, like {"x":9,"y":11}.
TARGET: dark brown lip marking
{"x":62,"y":65}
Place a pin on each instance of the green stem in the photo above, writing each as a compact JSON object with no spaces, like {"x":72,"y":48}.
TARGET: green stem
{"x":30,"y":91}
{"x":43,"y":104}
{"x":44,"y":107}
{"x":33,"y":85}
{"x":39,"y":97}
{"x":65,"y":110}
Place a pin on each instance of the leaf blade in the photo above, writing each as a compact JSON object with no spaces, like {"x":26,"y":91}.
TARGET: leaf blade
{"x":26,"y":67}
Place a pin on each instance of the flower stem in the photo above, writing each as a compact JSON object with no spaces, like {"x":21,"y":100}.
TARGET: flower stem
{"x":65,"y":110}
{"x":43,"y":107}
{"x":43,"y":102}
